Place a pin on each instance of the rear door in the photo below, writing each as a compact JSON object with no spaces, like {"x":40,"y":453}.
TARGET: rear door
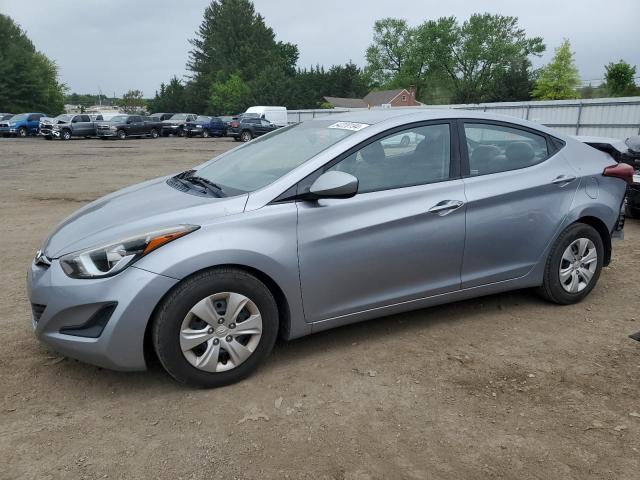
{"x":519,"y":188}
{"x":399,"y":239}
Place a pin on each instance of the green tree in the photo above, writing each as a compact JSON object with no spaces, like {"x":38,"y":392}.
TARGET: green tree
{"x":233,"y":40}
{"x":171,"y":98}
{"x":230,"y":97}
{"x":132,"y":101}
{"x":558,"y":79}
{"x":468,"y":62}
{"x":620,"y":79}
{"x":28,"y":79}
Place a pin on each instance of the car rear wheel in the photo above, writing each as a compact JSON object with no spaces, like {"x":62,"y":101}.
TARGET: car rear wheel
{"x":215,"y":328}
{"x":574,"y":265}
{"x":22,"y":132}
{"x":246,"y":136}
{"x":65,"y":135}
{"x":121,"y":134}
{"x":154,"y":133}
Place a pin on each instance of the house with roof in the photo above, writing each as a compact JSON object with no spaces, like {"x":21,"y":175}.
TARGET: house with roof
{"x":400,"y":97}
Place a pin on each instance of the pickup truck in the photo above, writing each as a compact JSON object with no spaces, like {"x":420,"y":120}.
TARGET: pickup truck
{"x":175,"y":125}
{"x":123,"y":126}
{"x":205,"y":127}
{"x":66,"y":126}
{"x":21,"y":125}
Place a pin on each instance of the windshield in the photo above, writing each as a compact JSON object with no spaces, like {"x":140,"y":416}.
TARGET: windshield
{"x":203,"y":119}
{"x":64,"y":118}
{"x":20,"y":116}
{"x":265,"y":159}
{"x":179,"y":116}
{"x":119,"y":119}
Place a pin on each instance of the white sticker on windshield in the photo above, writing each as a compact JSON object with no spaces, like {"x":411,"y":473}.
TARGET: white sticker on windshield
{"x":355,"y":127}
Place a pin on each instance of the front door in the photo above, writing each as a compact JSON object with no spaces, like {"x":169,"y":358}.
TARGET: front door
{"x":400,"y":238}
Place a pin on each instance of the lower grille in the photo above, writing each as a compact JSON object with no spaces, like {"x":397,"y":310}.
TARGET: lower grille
{"x":37,"y":310}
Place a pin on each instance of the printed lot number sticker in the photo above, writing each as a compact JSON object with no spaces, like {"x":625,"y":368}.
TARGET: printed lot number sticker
{"x":353,"y":126}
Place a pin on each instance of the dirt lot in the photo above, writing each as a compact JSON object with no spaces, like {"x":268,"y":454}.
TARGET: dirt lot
{"x":500,"y":387}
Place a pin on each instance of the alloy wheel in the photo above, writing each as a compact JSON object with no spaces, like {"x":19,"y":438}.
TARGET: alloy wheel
{"x":246,"y":136}
{"x":220,"y":332}
{"x":578,"y":265}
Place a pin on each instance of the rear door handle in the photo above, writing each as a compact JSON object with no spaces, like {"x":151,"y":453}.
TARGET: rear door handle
{"x":445,"y":207}
{"x":563,"y":179}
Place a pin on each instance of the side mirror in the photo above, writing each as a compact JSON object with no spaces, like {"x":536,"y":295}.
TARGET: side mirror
{"x":334,"y":184}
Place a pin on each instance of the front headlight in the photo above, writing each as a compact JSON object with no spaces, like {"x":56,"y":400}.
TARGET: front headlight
{"x":108,"y":260}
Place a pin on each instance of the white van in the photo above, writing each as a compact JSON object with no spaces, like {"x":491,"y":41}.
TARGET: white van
{"x":276,"y":115}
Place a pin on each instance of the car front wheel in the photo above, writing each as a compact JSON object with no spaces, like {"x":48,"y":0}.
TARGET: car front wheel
{"x":205,"y":134}
{"x":122,"y":135}
{"x":154,"y":133}
{"x":574,"y":265}
{"x":215,"y":328}
{"x":22,"y":132}
{"x":66,"y":135}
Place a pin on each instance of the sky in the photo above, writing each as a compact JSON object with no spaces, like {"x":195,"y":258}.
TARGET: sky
{"x":119,"y":45}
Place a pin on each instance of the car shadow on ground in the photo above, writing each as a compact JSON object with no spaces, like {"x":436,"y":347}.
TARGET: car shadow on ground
{"x":339,"y":339}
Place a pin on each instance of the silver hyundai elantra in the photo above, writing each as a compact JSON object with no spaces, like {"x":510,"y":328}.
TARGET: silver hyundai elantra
{"x":320,"y":224}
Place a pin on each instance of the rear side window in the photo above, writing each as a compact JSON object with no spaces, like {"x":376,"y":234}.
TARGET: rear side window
{"x":497,"y":148}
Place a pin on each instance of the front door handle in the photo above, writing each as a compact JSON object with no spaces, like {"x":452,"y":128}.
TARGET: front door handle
{"x":445,"y":207}
{"x":563,"y":179}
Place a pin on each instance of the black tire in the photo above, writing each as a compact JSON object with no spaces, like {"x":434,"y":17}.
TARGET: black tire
{"x":154,"y":133}
{"x":205,"y":134}
{"x":173,"y":309}
{"x":22,"y":132}
{"x":552,"y":289}
{"x":246,"y":136}
{"x":180,"y":132}
{"x":65,"y":134}
{"x":632,"y":212}
{"x":121,"y":134}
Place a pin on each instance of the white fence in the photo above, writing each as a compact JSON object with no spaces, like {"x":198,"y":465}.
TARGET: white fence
{"x":602,"y":117}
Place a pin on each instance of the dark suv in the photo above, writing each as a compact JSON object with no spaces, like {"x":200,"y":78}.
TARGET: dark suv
{"x":205,"y":127}
{"x":247,"y":128}
{"x":123,"y":126}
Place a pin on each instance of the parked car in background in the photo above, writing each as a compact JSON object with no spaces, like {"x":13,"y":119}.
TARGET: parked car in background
{"x":123,"y":126}
{"x":175,"y":124}
{"x":227,"y":119}
{"x":5,"y":116}
{"x":623,"y":151}
{"x":66,"y":126}
{"x":21,"y":125}
{"x":204,"y":126}
{"x":275,"y":115}
{"x":161,"y":116}
{"x":247,"y":128}
{"x":318,"y":225}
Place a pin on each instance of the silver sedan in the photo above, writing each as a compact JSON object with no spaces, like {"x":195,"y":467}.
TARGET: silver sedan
{"x":321,"y":224}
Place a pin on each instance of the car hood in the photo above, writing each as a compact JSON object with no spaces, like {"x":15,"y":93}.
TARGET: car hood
{"x":136,"y":210}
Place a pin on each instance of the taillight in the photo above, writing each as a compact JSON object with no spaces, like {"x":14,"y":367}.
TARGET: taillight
{"x":234,"y":124}
{"x":622,"y":171}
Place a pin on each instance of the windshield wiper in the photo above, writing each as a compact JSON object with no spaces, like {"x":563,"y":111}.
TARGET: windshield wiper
{"x":208,"y":185}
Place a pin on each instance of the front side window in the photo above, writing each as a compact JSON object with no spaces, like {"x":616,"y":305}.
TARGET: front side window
{"x":267,"y":158}
{"x":416,"y":156}
{"x":497,"y":148}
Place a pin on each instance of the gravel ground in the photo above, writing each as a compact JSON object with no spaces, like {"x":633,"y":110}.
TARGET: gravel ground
{"x":506,"y":386}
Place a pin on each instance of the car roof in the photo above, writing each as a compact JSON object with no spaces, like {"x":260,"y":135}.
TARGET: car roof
{"x":408,"y":115}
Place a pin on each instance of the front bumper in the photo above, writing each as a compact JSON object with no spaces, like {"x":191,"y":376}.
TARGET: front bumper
{"x":59,"y":301}
{"x":49,"y":132}
{"x":8,"y":130}
{"x":172,"y":128}
{"x":106,"y":133}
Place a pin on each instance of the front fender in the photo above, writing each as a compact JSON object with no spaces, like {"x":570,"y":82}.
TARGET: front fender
{"x":264,"y":240}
